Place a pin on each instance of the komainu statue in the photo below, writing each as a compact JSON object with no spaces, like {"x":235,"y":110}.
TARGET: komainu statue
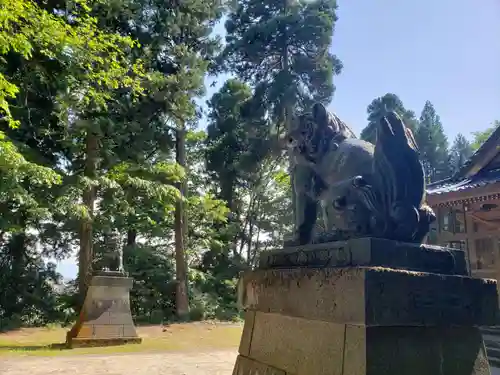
{"x":364,"y":189}
{"x":113,"y":254}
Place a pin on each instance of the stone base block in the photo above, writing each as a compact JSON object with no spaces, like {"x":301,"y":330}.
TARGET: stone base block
{"x":372,"y":296}
{"x":364,"y":320}
{"x":281,"y":345}
{"x":368,"y":252}
{"x":105,"y":318}
{"x":247,"y":366}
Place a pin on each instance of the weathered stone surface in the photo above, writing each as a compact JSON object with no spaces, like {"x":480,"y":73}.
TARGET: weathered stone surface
{"x":372,"y":296}
{"x":335,"y":295}
{"x":355,"y":350}
{"x":246,"y":336}
{"x":369,"y":252}
{"x":423,"y":350}
{"x":247,"y":366}
{"x":298,"y":346}
{"x":112,"y":279}
{"x":105,"y":318}
{"x":110,"y":273}
{"x":283,"y":345}
{"x":429,"y":299}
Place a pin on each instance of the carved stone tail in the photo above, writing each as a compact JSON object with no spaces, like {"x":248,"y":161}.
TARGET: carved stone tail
{"x":398,"y":194}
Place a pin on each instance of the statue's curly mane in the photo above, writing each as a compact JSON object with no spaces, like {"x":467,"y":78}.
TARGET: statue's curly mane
{"x":315,"y":135}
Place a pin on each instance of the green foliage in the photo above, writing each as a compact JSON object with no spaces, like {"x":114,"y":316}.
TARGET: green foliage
{"x":153,"y":296}
{"x":26,"y":284}
{"x":245,"y":175}
{"x":213,"y":296}
{"x":20,"y":182}
{"x":235,"y":144}
{"x":70,"y":76}
{"x":96,"y":58}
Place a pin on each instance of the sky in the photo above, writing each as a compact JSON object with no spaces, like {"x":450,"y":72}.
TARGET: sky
{"x":445,"y":51}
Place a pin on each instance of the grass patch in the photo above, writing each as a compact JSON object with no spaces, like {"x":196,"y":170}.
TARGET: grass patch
{"x":176,"y":337}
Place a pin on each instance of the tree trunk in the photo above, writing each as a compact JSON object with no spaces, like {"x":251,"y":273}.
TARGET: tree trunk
{"x":181,"y":299}
{"x":17,"y":249}
{"x":287,"y":111}
{"x":85,"y":255}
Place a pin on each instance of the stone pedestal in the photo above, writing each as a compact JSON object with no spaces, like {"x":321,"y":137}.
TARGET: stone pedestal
{"x":105,"y":318}
{"x":365,"y":306}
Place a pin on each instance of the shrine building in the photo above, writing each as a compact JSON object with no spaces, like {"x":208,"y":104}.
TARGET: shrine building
{"x":467,"y":206}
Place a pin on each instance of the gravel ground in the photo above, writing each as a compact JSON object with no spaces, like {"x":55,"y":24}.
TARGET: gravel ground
{"x":209,"y":363}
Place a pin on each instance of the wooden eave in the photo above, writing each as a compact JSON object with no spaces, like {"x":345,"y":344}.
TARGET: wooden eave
{"x":480,"y":159}
{"x":459,"y":197}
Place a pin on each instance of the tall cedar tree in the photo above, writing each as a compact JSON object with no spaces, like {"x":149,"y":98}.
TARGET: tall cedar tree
{"x":235,"y":144}
{"x":253,"y":183}
{"x":236,"y":147}
{"x":177,"y":48}
{"x":460,"y":151}
{"x":433,"y":144}
{"x":282,"y":50}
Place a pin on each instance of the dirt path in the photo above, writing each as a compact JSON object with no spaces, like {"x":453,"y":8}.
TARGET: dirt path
{"x":209,"y":363}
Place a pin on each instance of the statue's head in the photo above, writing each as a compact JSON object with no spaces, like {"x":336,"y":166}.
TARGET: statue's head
{"x":310,"y":129}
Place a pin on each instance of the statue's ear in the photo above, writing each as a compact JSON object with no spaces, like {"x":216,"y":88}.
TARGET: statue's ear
{"x":320,"y":114}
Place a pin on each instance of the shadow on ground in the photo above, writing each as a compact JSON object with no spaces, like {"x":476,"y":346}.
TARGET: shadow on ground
{"x":58,"y":346}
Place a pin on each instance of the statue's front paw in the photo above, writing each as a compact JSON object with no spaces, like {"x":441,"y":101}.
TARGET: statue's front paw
{"x":296,"y":240}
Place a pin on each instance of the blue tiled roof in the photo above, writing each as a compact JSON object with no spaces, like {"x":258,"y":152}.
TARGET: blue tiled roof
{"x":450,"y":185}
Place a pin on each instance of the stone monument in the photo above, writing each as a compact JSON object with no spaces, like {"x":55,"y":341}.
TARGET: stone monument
{"x":366,"y":297}
{"x":105,"y":318}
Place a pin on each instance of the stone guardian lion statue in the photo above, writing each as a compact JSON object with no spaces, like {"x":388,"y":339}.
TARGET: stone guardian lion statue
{"x":364,"y":189}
